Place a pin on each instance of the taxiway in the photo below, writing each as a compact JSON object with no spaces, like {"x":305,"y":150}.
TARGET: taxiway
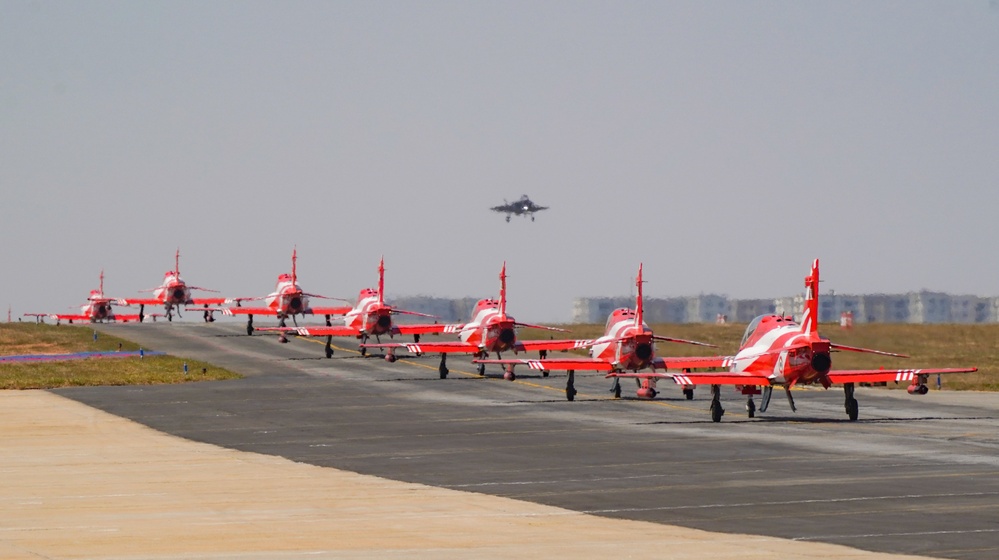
{"x":916,"y":475}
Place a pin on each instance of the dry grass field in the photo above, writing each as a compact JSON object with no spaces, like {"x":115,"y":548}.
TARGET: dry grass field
{"x":928,"y":346}
{"x":31,"y":338}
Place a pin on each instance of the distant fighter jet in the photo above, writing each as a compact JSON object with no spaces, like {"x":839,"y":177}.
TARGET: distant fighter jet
{"x":522,"y":207}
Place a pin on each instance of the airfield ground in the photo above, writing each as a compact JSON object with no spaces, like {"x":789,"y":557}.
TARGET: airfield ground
{"x":274,"y":465}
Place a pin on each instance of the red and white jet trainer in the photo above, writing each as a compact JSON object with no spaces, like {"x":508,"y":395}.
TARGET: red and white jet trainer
{"x":96,"y":310}
{"x":287,"y":300}
{"x":371,"y":316}
{"x":628,"y":344}
{"x":490,"y":330}
{"x":174,"y":292}
{"x":776,"y":351}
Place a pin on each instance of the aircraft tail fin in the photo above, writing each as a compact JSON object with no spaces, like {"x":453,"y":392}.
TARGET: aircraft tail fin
{"x":502,"y":294}
{"x":101,"y":288}
{"x":381,"y":281}
{"x":294,"y":262}
{"x":810,"y":313}
{"x":176,"y":263}
{"x":639,"y":307}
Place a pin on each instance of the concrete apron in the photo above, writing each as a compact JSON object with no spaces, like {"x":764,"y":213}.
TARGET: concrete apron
{"x":76,"y":482}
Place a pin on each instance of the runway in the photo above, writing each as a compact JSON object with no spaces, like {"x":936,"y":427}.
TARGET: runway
{"x":916,"y":475}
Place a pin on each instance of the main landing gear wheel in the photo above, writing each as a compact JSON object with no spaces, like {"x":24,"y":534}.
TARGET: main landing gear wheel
{"x":249,"y":325}
{"x":329,"y":346}
{"x":482,"y":370}
{"x":544,"y":373}
{"x":751,"y":407}
{"x":716,"y":408}
{"x":616,"y":388}
{"x":852,"y":406}
{"x":510,"y":376}
{"x":442,"y":369}
{"x":853,"y":410}
{"x":570,"y":387}
{"x":688,"y":394}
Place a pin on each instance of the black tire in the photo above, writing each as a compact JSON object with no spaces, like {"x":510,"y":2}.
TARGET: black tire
{"x":364,"y":351}
{"x":689,"y":394}
{"x":716,"y":412}
{"x":853,"y":409}
{"x":513,"y":376}
{"x":482,"y":370}
{"x":751,"y":409}
{"x":329,"y":352}
{"x":617,"y":391}
{"x":544,"y":373}
{"x":570,"y":394}
{"x":443,"y":371}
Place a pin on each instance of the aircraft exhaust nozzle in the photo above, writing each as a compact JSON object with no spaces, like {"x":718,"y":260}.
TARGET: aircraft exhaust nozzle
{"x":384,"y":321}
{"x":643,"y":351}
{"x":178,"y":294}
{"x":821,"y":362}
{"x":918,"y":389}
{"x":295,"y":303}
{"x":507,"y":336}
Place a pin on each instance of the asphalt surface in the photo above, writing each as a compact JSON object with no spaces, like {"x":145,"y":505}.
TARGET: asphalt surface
{"x":916,"y":475}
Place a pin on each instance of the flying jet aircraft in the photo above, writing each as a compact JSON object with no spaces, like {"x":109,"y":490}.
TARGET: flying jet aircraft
{"x":174,"y":292}
{"x":371,"y":316}
{"x":96,"y":310}
{"x":287,"y":300}
{"x":522,"y":207}
{"x":628,"y":344}
{"x":778,"y":352}
{"x":490,"y":330}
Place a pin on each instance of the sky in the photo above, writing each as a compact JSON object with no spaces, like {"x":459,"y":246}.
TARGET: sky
{"x":724,"y":144}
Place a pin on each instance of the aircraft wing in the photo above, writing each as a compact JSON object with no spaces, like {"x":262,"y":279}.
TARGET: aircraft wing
{"x":328,"y":310}
{"x":207,"y":301}
{"x":422,"y":329}
{"x":701,"y":378}
{"x":429,"y":347}
{"x":693,"y":362}
{"x":59,"y":317}
{"x":530,"y":326}
{"x":557,"y":364}
{"x":341,"y":330}
{"x":865,"y":350}
{"x":879,"y":375}
{"x":682,"y":341}
{"x":232,"y":311}
{"x":138,"y":301}
{"x":555,"y":345}
{"x":417,"y":313}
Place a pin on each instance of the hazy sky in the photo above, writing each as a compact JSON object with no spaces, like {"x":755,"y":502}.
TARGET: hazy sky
{"x":725,"y":144}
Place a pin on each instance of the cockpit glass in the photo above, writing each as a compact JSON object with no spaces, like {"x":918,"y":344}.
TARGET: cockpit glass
{"x":749,"y":329}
